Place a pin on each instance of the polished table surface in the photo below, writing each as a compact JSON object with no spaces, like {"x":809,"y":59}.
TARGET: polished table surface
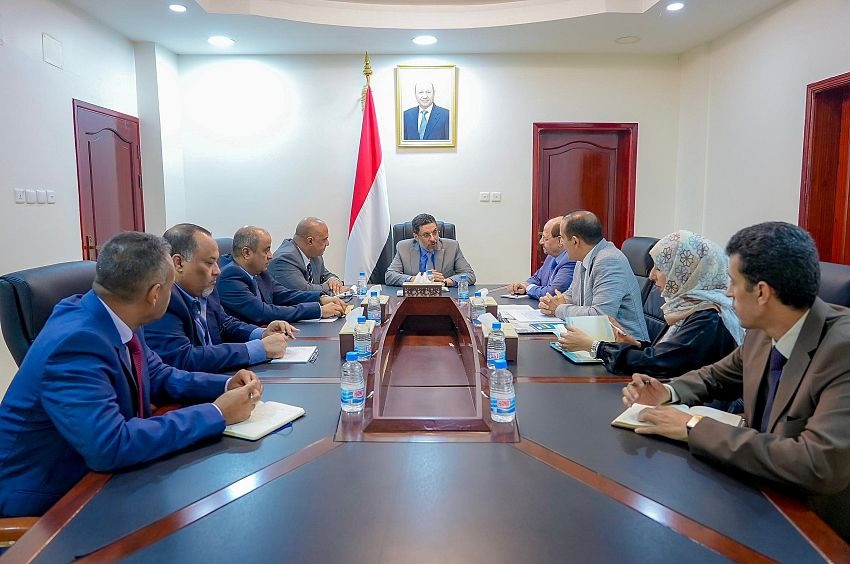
{"x":573,"y":489}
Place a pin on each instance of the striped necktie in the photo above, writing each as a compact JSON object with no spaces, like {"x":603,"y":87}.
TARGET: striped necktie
{"x":309,"y":273}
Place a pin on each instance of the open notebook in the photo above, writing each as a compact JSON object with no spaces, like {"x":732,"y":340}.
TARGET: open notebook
{"x":266,"y":417}
{"x":629,"y":418}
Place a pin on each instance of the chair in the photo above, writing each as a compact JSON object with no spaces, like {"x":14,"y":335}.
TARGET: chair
{"x":655,"y":322}
{"x":402,"y":231}
{"x":835,"y":283}
{"x":225,"y":248}
{"x":636,"y":250}
{"x":27,"y":299}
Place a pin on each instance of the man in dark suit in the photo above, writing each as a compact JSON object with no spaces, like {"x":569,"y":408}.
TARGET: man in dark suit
{"x":298,"y":262}
{"x":81,"y":399}
{"x":426,"y":121}
{"x":249,"y":292}
{"x":792,"y":371}
{"x":195,"y":333}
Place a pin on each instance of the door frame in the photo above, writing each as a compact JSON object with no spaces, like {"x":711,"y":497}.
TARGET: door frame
{"x":629,"y":166}
{"x":139,"y":206}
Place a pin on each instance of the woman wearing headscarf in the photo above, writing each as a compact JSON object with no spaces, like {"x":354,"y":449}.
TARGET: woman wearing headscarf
{"x":692,"y":274}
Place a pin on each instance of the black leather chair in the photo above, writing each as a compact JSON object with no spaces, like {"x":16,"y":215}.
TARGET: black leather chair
{"x":225,"y":247}
{"x":835,"y":283}
{"x":636,"y":250}
{"x":652,"y":314}
{"x":27,"y":299}
{"x":402,"y":231}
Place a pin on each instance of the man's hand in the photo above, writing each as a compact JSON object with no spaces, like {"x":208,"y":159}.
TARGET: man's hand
{"x":244,"y":378}
{"x":324,"y":300}
{"x":669,"y":422}
{"x":237,"y":404}
{"x":575,"y":339}
{"x":518,"y":288}
{"x":278,"y":326}
{"x":550,"y":303}
{"x":439,"y":277}
{"x":645,"y":390}
{"x":333,"y":309}
{"x":334,"y":285}
{"x":275,"y":345}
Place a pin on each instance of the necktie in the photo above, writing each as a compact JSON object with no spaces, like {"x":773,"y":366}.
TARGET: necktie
{"x":423,"y":123}
{"x":256,"y":287}
{"x":200,"y":322}
{"x":309,"y":273}
{"x":777,"y":362}
{"x":135,"y":348}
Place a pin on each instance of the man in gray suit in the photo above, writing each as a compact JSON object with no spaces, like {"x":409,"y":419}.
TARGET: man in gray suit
{"x":298,"y":263}
{"x":792,"y":370}
{"x":603,"y":281}
{"x":426,"y":251}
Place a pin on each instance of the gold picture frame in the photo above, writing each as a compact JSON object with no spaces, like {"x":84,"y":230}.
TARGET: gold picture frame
{"x":432,"y":89}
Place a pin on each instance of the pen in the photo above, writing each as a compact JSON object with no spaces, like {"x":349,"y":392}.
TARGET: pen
{"x":616,"y":329}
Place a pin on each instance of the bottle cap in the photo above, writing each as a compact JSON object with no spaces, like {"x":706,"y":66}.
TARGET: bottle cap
{"x":352,"y":356}
{"x":362,"y":274}
{"x":463,"y":277}
{"x":361,"y":319}
{"x":500,"y":364}
{"x":478,"y":293}
{"x":374,"y":294}
{"x":497,"y":326}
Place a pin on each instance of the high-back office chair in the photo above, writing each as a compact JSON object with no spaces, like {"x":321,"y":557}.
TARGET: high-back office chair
{"x":402,"y":231}
{"x":636,"y":250}
{"x":225,"y":247}
{"x":27,"y":299}
{"x":835,"y":283}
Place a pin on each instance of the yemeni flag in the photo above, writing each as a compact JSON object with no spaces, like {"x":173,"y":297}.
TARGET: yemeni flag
{"x":369,"y":245}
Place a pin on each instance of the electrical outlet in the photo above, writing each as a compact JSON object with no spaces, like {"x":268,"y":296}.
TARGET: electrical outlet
{"x":51,"y":196}
{"x":495,"y":196}
{"x":484,"y":196}
{"x":20,"y":197}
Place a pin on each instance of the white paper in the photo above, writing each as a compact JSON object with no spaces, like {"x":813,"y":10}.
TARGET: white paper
{"x":296,"y":355}
{"x":265,"y":418}
{"x":513,"y":296}
{"x":487,"y":320}
{"x":320,"y":320}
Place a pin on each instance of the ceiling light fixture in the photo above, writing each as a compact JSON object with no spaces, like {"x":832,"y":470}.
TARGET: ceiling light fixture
{"x":179,"y":8}
{"x":424,"y":39}
{"x":220,"y":41}
{"x":675,"y":6}
{"x":627,"y":39}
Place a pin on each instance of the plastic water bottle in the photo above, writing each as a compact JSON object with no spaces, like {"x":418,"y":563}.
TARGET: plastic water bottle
{"x":502,"y":394}
{"x":476,"y":308}
{"x":352,"y":385}
{"x":463,"y":289}
{"x":373,"y":308}
{"x":362,"y":339}
{"x":495,"y":345}
{"x":361,"y":284}
{"x":430,"y":274}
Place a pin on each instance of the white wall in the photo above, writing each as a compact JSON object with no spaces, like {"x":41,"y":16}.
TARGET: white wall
{"x":37,"y":143}
{"x":749,"y":122}
{"x":270,"y":139}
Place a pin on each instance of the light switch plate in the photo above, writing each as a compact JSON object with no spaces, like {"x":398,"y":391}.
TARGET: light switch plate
{"x":495,"y":196}
{"x":484,"y":196}
{"x":20,"y":197}
{"x":30,"y":196}
{"x":41,"y":196}
{"x":51,"y":196}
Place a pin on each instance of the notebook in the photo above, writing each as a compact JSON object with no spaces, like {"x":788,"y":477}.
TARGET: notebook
{"x":629,"y":418}
{"x":578,"y":357}
{"x":296,"y":355}
{"x":266,"y":417}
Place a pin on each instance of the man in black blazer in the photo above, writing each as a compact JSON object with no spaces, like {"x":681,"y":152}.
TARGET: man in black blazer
{"x":195,"y":333}
{"x":249,"y":292}
{"x":298,"y":262}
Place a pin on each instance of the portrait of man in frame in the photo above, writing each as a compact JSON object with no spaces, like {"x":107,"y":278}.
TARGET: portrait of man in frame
{"x":426,"y":105}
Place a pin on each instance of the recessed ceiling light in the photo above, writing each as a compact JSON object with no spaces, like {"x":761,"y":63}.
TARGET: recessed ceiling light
{"x":627,"y":39}
{"x":220,"y":41}
{"x":424,"y":39}
{"x":179,"y":8}
{"x":675,"y":6}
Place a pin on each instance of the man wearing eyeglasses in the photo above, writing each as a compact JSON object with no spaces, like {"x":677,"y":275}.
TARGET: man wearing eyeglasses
{"x":427,"y":251}
{"x":556,"y":273}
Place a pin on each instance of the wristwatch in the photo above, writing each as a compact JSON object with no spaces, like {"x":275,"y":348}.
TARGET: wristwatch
{"x":594,"y":348}
{"x":692,"y":422}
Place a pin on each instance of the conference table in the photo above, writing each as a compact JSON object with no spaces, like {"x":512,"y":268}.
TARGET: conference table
{"x":573,"y":488}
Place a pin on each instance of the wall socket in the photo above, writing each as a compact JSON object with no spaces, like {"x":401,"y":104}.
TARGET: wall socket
{"x":495,"y":196}
{"x":484,"y":196}
{"x":20,"y":196}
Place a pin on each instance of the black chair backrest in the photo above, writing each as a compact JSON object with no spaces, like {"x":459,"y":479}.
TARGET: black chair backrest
{"x":835,"y":283}
{"x":27,"y":299}
{"x":636,"y":250}
{"x":402,"y":231}
{"x":655,"y":322}
{"x":225,"y":247}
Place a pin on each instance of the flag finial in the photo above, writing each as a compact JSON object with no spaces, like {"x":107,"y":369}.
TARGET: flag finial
{"x":367,"y":72}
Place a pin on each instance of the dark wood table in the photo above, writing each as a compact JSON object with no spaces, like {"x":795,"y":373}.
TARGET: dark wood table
{"x":572,"y":489}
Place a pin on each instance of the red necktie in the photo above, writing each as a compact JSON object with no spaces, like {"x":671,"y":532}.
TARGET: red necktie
{"x":135,"y":348}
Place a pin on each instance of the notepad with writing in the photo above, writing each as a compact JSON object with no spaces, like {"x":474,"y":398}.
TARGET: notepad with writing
{"x":629,"y":418}
{"x":266,"y":417}
{"x":296,"y":355}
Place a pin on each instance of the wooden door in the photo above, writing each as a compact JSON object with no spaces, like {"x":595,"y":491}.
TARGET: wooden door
{"x":584,"y":166}
{"x":109,"y":174}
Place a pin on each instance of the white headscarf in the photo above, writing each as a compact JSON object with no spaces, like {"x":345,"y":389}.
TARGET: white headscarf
{"x":697,"y":272}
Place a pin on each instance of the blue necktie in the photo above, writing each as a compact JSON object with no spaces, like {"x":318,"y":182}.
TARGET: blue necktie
{"x":423,"y":123}
{"x":777,"y":362}
{"x":423,"y":261}
{"x":200,"y":321}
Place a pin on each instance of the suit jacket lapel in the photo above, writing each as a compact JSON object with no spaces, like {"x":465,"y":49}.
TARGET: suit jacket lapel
{"x":439,"y":257}
{"x":755,"y":357}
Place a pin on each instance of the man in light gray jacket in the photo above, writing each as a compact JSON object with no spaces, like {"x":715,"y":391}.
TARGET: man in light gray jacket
{"x":426,"y":251}
{"x":298,"y":264}
{"x":603,"y":282}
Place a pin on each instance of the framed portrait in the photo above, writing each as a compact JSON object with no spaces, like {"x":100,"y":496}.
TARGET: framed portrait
{"x":426,"y":106}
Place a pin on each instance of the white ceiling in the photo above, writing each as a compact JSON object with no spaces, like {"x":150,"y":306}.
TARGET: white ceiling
{"x":661,"y":32}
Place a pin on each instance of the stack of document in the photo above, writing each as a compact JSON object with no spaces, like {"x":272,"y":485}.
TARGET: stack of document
{"x":522,"y":317}
{"x":298,"y":355}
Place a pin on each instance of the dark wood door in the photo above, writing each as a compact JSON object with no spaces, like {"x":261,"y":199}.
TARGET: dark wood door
{"x":584,"y":166}
{"x":109,"y":173}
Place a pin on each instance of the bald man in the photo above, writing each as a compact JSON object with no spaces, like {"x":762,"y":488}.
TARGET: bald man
{"x":556,"y":273}
{"x":298,"y":262}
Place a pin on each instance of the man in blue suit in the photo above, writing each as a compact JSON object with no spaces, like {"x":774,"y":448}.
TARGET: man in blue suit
{"x":556,"y":272}
{"x":426,"y":121}
{"x":248,"y":290}
{"x":195,"y":333}
{"x":81,"y":399}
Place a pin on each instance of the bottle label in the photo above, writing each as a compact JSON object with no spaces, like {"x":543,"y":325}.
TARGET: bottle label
{"x":363,"y":348}
{"x":374,"y":314}
{"x":352,"y":397}
{"x":463,"y":295}
{"x":501,"y":404}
